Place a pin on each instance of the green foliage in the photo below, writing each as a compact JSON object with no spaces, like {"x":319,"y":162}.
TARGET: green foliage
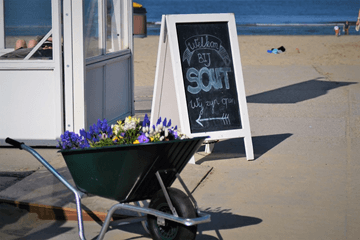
{"x":103,"y":143}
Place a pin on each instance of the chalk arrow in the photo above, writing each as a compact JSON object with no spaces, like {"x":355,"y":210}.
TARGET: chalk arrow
{"x":224,"y":118}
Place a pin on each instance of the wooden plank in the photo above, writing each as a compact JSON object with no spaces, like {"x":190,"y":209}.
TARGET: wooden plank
{"x":46,"y":212}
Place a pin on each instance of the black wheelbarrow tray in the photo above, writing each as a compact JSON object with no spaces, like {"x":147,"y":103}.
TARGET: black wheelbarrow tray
{"x":132,"y":173}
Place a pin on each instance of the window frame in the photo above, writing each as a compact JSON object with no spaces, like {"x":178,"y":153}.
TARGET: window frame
{"x":121,"y":10}
{"x":34,"y":63}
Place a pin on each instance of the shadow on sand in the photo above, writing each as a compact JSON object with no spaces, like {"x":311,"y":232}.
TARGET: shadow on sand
{"x":223,"y":219}
{"x":220,"y":219}
{"x":234,"y":148}
{"x":297,"y":92}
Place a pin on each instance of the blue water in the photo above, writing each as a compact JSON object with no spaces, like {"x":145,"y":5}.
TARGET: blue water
{"x":264,"y":17}
{"x":24,"y":17}
{"x":253,"y":17}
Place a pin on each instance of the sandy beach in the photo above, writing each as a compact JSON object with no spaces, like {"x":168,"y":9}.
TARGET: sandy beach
{"x":305,"y":124}
{"x":300,"y":50}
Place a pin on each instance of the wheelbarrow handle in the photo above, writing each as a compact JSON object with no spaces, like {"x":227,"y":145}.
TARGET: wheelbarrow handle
{"x":52,"y":170}
{"x":14,"y":142}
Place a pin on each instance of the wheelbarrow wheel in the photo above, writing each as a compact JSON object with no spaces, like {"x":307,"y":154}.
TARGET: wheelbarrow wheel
{"x":172,"y":230}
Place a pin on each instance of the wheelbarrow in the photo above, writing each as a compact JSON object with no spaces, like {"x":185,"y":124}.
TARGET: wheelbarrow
{"x":133,"y":173}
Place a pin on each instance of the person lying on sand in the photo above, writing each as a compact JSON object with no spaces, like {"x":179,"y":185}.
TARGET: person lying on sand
{"x":21,"y":43}
{"x":357,"y":27}
{"x":22,"y":49}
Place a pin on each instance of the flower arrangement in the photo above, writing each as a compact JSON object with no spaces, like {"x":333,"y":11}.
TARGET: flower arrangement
{"x":131,"y":131}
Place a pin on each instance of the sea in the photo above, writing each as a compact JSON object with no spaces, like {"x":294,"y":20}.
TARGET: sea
{"x":264,"y":17}
{"x":253,"y":17}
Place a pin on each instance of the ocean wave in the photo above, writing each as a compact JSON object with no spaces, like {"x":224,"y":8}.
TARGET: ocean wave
{"x":153,"y":28}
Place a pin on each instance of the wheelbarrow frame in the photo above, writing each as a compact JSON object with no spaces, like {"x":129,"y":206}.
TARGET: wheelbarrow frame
{"x":161,"y":216}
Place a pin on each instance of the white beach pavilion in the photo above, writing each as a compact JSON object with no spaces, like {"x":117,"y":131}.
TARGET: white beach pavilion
{"x":88,"y":74}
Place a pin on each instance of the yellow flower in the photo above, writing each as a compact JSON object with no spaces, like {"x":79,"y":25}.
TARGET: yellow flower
{"x":151,"y":139}
{"x":117,"y":138}
{"x":136,"y":142}
{"x":128,"y":120}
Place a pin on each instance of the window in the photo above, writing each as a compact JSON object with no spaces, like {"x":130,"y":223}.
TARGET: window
{"x":102,"y":27}
{"x":26,"y":23}
{"x":92,"y":36}
{"x":113,"y":40}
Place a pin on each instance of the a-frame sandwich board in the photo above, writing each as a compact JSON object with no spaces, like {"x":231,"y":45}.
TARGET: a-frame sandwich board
{"x":199,"y":81}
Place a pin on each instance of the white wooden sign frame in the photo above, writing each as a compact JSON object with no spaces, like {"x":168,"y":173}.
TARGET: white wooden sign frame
{"x":169,"y":93}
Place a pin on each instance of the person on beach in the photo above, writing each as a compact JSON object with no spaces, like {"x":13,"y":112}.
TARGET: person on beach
{"x":21,"y":43}
{"x":346,"y":28}
{"x":22,"y":49}
{"x":337,"y":31}
{"x":357,"y":27}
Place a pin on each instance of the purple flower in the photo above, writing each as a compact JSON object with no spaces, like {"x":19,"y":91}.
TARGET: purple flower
{"x":109,"y":131}
{"x":143,"y":139}
{"x":84,"y":134}
{"x":71,"y":140}
{"x":174,"y":133}
{"x":99,"y":124}
{"x":158,"y":121}
{"x":84,"y":144}
{"x":146,"y":121}
{"x":91,"y":132}
{"x":96,"y":129}
{"x":104,"y":126}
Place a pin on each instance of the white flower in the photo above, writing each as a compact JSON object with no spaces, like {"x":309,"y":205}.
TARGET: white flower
{"x":157,"y":129}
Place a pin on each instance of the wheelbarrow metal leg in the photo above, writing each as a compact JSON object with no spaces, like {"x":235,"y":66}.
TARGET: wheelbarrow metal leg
{"x":203,"y":218}
{"x":166,"y":194}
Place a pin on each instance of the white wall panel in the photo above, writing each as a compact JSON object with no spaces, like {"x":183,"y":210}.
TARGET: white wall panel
{"x":29,"y":109}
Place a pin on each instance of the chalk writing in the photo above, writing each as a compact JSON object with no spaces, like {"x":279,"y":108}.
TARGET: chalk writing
{"x":225,"y":101}
{"x":205,"y":41}
{"x":216,"y":77}
{"x":224,"y":118}
{"x":208,"y":76}
{"x":212,"y":104}
{"x":204,"y":58}
{"x":196,"y":104}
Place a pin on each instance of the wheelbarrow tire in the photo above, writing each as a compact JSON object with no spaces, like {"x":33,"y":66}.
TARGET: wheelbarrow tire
{"x":172,"y":230}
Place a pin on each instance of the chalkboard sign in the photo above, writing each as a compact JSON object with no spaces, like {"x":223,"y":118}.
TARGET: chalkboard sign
{"x":208,"y":74}
{"x":199,"y":82}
